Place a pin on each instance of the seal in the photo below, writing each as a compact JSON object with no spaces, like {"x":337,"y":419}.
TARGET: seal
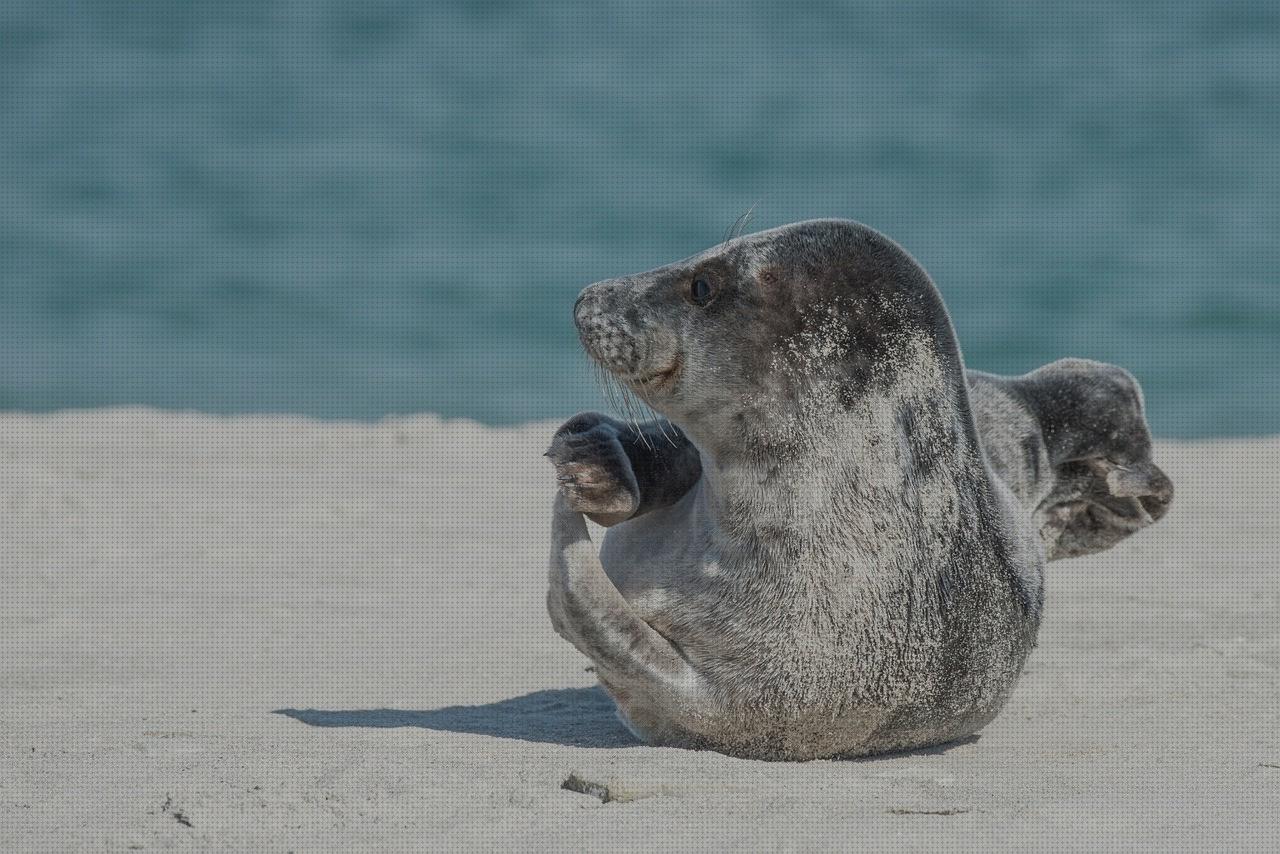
{"x":814,"y":554}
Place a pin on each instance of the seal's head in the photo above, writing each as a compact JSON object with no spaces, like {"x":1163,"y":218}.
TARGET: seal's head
{"x":767,"y":336}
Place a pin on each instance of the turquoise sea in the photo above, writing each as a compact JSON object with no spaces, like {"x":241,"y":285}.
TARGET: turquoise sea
{"x":354,"y":209}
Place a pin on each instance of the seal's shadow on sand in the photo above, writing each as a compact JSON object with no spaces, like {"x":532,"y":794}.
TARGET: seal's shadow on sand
{"x":576,"y":717}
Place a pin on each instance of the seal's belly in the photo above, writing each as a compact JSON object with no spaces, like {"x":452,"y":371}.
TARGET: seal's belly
{"x":818,"y":659}
{"x":788,"y":706}
{"x":789,"y":702}
{"x":659,"y":561}
{"x":791,"y":687}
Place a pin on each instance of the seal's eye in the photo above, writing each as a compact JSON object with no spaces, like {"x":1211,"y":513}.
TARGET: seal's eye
{"x":700,"y":291}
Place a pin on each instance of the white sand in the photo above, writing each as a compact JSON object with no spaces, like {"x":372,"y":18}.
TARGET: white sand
{"x":170,"y":581}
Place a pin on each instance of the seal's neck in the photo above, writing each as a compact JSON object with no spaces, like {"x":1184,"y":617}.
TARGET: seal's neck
{"x":751,"y":500}
{"x":827,"y":453}
{"x":856,"y":481}
{"x":753,"y":495}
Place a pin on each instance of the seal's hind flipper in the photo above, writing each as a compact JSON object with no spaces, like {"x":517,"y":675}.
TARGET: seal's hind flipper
{"x":1071,"y":441}
{"x":1095,"y":503}
{"x":1105,"y":486}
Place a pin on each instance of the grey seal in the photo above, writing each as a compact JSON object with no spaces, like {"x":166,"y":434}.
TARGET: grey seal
{"x":833,"y":543}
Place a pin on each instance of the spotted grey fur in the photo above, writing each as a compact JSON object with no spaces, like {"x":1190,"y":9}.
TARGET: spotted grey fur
{"x":816,"y":555}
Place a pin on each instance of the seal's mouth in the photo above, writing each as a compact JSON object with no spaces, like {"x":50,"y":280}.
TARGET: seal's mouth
{"x":659,"y":380}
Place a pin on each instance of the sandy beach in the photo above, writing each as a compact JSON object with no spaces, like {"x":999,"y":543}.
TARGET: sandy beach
{"x":269,"y":633}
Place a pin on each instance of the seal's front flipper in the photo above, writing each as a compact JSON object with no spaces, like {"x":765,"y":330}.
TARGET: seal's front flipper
{"x":1095,"y":503}
{"x":613,"y":471}
{"x":593,"y":470}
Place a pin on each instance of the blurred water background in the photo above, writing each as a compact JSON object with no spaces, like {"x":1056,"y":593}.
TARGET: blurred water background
{"x":350,"y":209}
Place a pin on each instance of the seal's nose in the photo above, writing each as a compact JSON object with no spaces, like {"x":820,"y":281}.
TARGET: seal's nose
{"x":587,"y":304}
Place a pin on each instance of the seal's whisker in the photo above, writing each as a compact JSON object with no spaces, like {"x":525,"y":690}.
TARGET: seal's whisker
{"x":622,"y":401}
{"x":630,"y":406}
{"x":745,"y":220}
{"x":663,"y":424}
{"x":729,"y":232}
{"x":607,"y":385}
{"x":740,"y":224}
{"x":636,"y":407}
